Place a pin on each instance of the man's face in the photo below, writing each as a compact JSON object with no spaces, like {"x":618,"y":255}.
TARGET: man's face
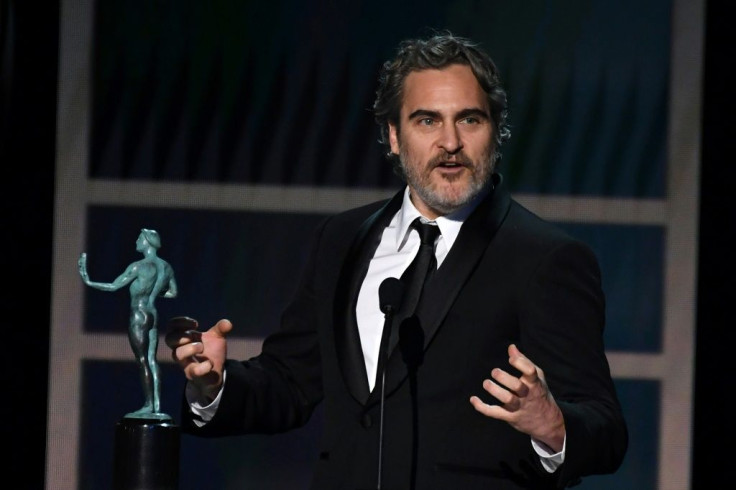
{"x":445,"y":140}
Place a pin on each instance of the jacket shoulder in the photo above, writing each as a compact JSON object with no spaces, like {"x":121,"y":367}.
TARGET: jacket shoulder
{"x":532,"y":235}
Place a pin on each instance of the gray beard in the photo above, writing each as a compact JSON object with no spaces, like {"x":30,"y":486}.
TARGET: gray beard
{"x":444,"y":204}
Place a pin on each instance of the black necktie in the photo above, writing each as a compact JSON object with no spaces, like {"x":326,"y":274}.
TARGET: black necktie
{"x":420,"y":269}
{"x":413,"y":278}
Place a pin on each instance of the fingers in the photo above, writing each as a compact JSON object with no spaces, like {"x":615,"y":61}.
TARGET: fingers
{"x":510,"y":390}
{"x":181,"y":330}
{"x":513,"y":384}
{"x":198,"y":369}
{"x":197,"y":352}
{"x":484,"y":408}
{"x":221,"y":328}
{"x":524,"y":402}
{"x":527,"y":368}
{"x":182,"y":323}
{"x":510,"y":399}
{"x":494,"y":411}
{"x":188,"y":353}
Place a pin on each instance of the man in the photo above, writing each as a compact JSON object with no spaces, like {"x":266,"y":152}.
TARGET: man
{"x":149,"y":278}
{"x":509,"y":288}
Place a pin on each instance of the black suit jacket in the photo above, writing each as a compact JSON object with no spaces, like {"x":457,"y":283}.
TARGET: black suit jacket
{"x":510,"y":277}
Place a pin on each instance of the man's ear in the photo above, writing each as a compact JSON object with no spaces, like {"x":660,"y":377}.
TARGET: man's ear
{"x":393,"y":138}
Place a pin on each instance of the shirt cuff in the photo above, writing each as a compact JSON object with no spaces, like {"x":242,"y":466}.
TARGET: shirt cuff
{"x":550,"y":461}
{"x":202,"y":412}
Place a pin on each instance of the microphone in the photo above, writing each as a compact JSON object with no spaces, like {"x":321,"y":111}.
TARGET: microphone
{"x":390,"y":296}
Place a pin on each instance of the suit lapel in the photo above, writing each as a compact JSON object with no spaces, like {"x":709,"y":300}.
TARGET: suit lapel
{"x":440,"y":293}
{"x":354,"y":269}
{"x":471,"y":244}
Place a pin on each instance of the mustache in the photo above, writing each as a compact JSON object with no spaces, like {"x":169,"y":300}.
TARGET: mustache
{"x":459,"y":158}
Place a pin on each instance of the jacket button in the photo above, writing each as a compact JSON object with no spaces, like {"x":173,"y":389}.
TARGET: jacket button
{"x":366,"y":421}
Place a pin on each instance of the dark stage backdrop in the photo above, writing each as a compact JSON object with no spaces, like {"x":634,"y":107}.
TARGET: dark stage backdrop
{"x":233,"y":127}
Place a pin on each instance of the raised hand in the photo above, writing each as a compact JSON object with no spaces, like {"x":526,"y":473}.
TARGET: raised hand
{"x":526,"y":402}
{"x":201,"y":355}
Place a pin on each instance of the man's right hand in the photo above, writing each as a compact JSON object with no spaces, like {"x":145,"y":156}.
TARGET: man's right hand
{"x":201,"y":355}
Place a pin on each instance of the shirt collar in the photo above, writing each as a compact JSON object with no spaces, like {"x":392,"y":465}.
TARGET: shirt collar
{"x":449,"y":225}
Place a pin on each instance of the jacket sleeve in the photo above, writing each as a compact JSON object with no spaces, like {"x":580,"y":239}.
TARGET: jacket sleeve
{"x":562,"y":322}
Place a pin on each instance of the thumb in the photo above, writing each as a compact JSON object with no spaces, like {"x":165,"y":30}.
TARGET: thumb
{"x":222,"y":328}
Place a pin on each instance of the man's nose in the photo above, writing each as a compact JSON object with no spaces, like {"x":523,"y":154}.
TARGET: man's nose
{"x":450,"y":139}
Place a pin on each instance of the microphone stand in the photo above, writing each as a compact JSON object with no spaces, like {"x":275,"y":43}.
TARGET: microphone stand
{"x":384,"y":358}
{"x":390,"y":295}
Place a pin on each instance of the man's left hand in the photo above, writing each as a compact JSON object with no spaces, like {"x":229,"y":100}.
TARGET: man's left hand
{"x":526,"y":402}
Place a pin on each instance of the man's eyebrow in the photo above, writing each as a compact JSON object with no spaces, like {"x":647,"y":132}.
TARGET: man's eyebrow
{"x":424,"y":113}
{"x":473,"y":111}
{"x":470,"y":111}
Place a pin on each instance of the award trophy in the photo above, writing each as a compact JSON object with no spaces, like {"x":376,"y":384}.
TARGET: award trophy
{"x":146,"y":440}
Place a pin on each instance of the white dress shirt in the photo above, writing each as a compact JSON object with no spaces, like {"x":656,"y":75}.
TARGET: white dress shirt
{"x":399,"y":244}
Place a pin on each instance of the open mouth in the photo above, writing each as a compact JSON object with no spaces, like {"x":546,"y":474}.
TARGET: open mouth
{"x":450,"y":165}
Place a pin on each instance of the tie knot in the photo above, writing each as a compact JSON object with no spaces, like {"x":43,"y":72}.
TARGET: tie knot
{"x":427,"y":233}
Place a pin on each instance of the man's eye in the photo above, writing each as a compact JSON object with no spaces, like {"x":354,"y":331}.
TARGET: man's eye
{"x":470,"y":120}
{"x":426,"y":121}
